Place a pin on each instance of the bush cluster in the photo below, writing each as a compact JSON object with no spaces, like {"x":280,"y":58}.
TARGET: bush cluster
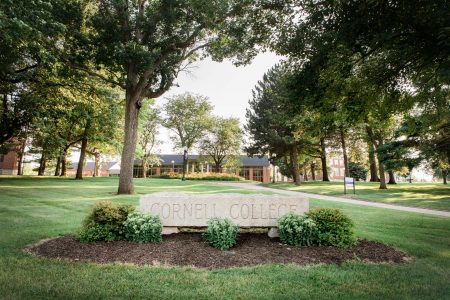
{"x":322,"y":226}
{"x":109,"y":221}
{"x":202,"y":176}
{"x":143,"y":228}
{"x":105,"y":222}
{"x":221,"y":233}
{"x":295,"y":229}
{"x":333,"y":227}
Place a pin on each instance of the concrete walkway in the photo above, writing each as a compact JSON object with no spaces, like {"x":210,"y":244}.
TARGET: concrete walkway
{"x":255,"y":186}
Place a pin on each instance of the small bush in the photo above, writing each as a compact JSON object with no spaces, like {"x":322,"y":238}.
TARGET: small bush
{"x":334,"y":228}
{"x":221,"y":233}
{"x":105,"y":222}
{"x":143,"y":228}
{"x":295,"y":229}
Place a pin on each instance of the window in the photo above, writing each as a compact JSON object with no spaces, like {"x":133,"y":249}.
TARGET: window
{"x":258,"y":174}
{"x":244,"y":172}
{"x":151,"y":172}
{"x":137,"y":171}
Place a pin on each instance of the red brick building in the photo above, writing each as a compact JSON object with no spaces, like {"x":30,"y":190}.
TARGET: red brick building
{"x":337,"y":168}
{"x":9,"y":163}
{"x":252,"y":168}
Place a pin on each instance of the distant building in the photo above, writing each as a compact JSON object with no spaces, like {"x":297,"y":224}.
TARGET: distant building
{"x":252,"y":168}
{"x":9,"y":163}
{"x":106,"y":169}
{"x":337,"y":168}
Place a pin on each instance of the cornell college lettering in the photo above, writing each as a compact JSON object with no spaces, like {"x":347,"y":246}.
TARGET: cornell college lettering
{"x":247,"y":210}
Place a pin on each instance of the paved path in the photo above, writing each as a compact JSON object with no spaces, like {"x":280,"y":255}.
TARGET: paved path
{"x":255,"y":186}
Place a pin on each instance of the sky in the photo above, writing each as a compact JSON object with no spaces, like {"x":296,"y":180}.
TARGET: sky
{"x":229,"y":88}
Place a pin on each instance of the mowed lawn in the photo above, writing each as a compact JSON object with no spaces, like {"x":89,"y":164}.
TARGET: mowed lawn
{"x":417,"y":194}
{"x":32,"y":209}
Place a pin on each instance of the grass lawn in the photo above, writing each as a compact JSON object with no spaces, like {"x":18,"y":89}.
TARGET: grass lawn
{"x":35,"y":208}
{"x":418,"y":194}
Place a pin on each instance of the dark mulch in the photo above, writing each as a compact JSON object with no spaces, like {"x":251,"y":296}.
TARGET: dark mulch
{"x":188,"y":249}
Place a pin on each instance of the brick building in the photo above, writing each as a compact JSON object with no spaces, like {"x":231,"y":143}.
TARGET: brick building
{"x":9,"y":163}
{"x":252,"y":168}
{"x":337,"y":168}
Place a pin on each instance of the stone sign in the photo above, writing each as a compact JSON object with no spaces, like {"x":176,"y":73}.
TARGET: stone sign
{"x":246,"y":210}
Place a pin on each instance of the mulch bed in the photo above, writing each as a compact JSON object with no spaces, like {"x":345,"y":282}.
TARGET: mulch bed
{"x":188,"y":249}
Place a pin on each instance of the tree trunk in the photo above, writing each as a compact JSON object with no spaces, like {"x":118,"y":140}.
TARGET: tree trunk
{"x":373,"y":164}
{"x":217,"y":167}
{"x":305,"y":173}
{"x":313,"y":171}
{"x":129,"y":144}
{"x":381,"y":168}
{"x":21,"y":156}
{"x":294,"y":162}
{"x":58,"y":166}
{"x":144,"y":167}
{"x":380,"y":165}
{"x":97,"y":164}
{"x":79,"y":175}
{"x":391,"y":177}
{"x":382,"y":175}
{"x":64,"y":163}
{"x":445,"y":172}
{"x":42,"y":164}
{"x":323,"y":158}
{"x":344,"y":152}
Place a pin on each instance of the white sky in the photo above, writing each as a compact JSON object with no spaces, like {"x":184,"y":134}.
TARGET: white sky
{"x":228,"y":88}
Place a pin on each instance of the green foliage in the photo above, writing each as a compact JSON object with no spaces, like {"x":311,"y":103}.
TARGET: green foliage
{"x":222,"y":142}
{"x":105,"y":222}
{"x":143,"y":228}
{"x":334,"y":228}
{"x":295,"y":229}
{"x":189,"y":117}
{"x":221,"y":233}
{"x":357,"y":171}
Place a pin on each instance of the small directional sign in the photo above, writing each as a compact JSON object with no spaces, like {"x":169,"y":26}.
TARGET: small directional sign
{"x":349,"y":181}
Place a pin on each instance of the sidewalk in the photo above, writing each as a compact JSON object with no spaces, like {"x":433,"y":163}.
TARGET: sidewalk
{"x":255,"y":186}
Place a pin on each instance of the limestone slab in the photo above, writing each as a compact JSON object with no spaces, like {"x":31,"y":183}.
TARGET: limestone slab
{"x":245,"y":210}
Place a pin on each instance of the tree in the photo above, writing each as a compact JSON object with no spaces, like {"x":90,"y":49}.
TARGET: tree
{"x":272,"y":122}
{"x":31,"y":31}
{"x":222,"y":141}
{"x":141,"y":46}
{"x":97,"y":120}
{"x":148,"y":134}
{"x":188,"y":116}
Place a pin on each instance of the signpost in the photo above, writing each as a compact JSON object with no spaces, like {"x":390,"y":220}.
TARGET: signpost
{"x":185,"y":158}
{"x":349,"y":181}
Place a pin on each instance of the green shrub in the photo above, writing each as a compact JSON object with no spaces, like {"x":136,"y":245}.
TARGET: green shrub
{"x":105,"y":222}
{"x":357,"y":171}
{"x":143,"y":228}
{"x":334,"y":228}
{"x":295,"y":229}
{"x":221,"y":233}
